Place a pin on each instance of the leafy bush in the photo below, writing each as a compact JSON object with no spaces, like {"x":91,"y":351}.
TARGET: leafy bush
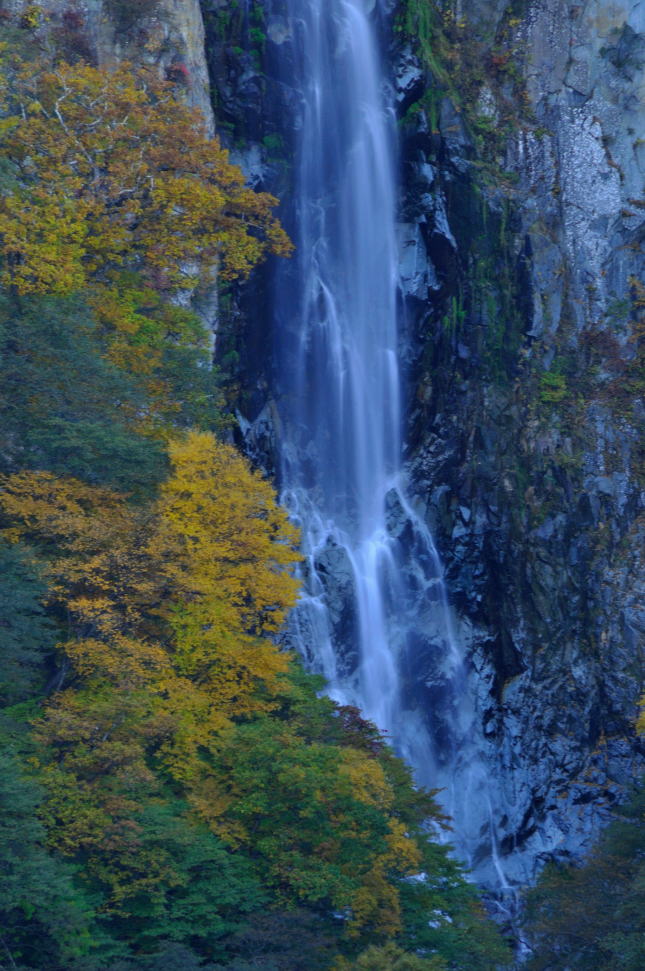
{"x":593,"y":915}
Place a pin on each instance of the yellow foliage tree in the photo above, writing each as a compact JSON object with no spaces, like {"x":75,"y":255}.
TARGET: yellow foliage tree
{"x":94,"y":543}
{"x":216,"y":549}
{"x":376,"y":903}
{"x":389,"y":957}
{"x":236,"y":543}
{"x":232,"y":581}
{"x":168,"y":609}
{"x":101,"y":727}
{"x":111,"y":170}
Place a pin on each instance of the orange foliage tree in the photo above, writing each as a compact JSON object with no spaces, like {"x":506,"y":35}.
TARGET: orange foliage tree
{"x":110,"y":169}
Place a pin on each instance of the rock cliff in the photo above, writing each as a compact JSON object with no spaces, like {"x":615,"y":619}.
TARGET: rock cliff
{"x":523,"y":270}
{"x":167,"y":34}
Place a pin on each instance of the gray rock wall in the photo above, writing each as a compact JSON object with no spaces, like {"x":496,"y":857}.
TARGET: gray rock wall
{"x":167,"y":34}
{"x":524,"y":388}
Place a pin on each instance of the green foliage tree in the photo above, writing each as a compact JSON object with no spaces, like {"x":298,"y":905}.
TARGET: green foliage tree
{"x":336,"y":826}
{"x":26,"y":634}
{"x":43,"y":919}
{"x":170,"y":957}
{"x":593,"y":916}
{"x":197,"y":893}
{"x":65,"y":407}
{"x":281,"y":940}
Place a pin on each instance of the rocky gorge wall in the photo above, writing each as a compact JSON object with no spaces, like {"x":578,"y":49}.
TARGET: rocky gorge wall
{"x":521,"y":228}
{"x":165,"y":34}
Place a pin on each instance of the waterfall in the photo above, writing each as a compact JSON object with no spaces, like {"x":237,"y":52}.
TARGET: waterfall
{"x":375,"y":611}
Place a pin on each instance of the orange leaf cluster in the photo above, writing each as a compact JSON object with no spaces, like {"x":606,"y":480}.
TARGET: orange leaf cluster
{"x":111,"y":169}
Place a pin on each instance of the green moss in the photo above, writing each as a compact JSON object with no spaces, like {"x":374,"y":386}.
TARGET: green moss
{"x":257,"y":37}
{"x":553,"y":387}
{"x":462,"y":60}
{"x":274,"y":145}
{"x":453,"y":320}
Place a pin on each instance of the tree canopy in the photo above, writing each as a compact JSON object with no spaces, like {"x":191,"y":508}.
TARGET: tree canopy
{"x":593,"y":915}
{"x":110,"y":169}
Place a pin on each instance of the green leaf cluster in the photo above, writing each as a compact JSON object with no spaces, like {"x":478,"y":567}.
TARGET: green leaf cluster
{"x":66,"y":407}
{"x":26,"y":634}
{"x":593,"y":916}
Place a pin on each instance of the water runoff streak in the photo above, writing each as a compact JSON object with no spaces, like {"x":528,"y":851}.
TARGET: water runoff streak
{"x":375,"y":607}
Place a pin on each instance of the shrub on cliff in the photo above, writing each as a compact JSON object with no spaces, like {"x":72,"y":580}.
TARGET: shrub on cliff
{"x":593,"y":916}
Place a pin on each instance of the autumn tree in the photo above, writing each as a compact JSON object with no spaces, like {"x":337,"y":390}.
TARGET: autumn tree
{"x":182,"y":738}
{"x":337,"y":826}
{"x":167,"y":609}
{"x":232,"y":585}
{"x":109,"y":169}
{"x":114,"y":202}
{"x":389,"y":957}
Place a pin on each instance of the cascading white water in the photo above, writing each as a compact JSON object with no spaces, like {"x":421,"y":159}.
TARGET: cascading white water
{"x":375,"y":597}
{"x":345,"y":407}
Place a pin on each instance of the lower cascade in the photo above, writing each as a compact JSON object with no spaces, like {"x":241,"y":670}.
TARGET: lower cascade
{"x":375,"y":601}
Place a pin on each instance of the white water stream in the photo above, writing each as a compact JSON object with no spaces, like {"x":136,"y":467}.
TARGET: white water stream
{"x":375,"y":595}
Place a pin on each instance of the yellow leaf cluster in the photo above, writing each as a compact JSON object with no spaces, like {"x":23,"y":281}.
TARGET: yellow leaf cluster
{"x":225,"y":519}
{"x":113,"y":170}
{"x":169,"y":607}
{"x":376,"y":903}
{"x":367,"y":778}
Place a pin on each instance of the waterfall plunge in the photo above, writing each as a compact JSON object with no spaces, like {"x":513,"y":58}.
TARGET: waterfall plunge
{"x":375,"y":597}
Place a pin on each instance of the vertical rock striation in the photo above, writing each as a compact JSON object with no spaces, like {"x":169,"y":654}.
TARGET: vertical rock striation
{"x":523,"y":272}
